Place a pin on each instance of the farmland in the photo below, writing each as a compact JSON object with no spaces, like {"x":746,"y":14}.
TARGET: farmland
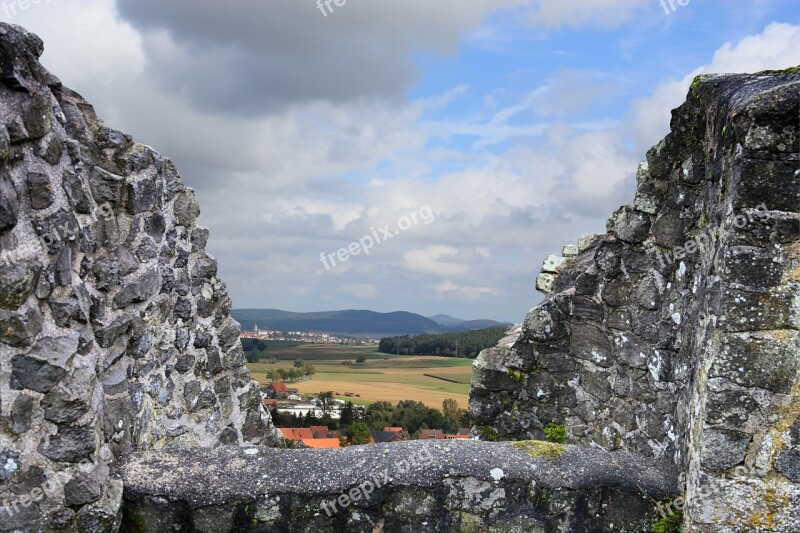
{"x":381,"y":378}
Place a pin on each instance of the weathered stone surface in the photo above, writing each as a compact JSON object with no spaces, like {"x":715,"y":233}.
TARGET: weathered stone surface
{"x":680,"y":339}
{"x":143,"y":196}
{"x":45,"y":365}
{"x":630,"y":225}
{"x":91,"y":222}
{"x":426,"y":483}
{"x":140,"y":290}
{"x":16,"y":284}
{"x":39,"y":190}
{"x":70,"y":444}
{"x":9,"y":203}
{"x":106,"y":187}
{"x":20,"y":330}
{"x":85,"y":487}
{"x":723,"y":449}
{"x":76,"y":194}
{"x":186,"y":209}
{"x":22,"y":414}
{"x":71,"y":400}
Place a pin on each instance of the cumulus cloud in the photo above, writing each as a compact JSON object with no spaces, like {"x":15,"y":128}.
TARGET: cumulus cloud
{"x":429,"y":260}
{"x":264,"y":55}
{"x":298,"y":134}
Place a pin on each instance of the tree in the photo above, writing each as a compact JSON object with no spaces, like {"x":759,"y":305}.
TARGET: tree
{"x":450,"y":409}
{"x":379,"y":415}
{"x":325,"y":400}
{"x":348,"y":414}
{"x":274,"y":376}
{"x":358,"y":433}
{"x":361,"y":360}
{"x":310,"y":370}
{"x":299,"y":363}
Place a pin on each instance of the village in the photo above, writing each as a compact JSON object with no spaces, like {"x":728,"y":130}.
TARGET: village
{"x":305,"y":337}
{"x":279,"y":398}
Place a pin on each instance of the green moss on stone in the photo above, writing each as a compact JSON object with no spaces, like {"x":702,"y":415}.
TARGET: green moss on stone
{"x":490,"y":434}
{"x":789,"y":70}
{"x":517,"y":375}
{"x":695,"y":86}
{"x":671,"y":523}
{"x":556,"y":432}
{"x":540,"y":448}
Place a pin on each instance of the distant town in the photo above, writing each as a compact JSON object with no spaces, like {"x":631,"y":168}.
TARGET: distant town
{"x":305,"y":336}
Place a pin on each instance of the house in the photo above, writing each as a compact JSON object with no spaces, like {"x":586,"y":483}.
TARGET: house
{"x":427,"y":434}
{"x":319,"y":443}
{"x":269,"y":404}
{"x":322,"y":432}
{"x":297,"y":434}
{"x":294,"y":397}
{"x":453,"y":436}
{"x":277,"y":390}
{"x":393,"y":429}
{"x":390,"y":436}
{"x":327,"y":434}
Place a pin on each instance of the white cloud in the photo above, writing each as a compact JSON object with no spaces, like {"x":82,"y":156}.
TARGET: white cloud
{"x":464,"y":291}
{"x":428,"y":260}
{"x":777,"y":47}
{"x":314,"y":175}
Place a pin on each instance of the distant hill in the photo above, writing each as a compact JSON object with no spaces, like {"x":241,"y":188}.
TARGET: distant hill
{"x":353,"y":322}
{"x":446,"y":320}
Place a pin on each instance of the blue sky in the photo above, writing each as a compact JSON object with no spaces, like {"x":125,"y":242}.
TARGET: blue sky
{"x":519,"y":123}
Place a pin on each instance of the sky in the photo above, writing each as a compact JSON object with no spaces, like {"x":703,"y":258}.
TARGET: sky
{"x":414,"y":155}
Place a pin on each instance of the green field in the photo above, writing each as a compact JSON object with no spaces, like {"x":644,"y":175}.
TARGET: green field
{"x":382,"y":378}
{"x":291,"y":350}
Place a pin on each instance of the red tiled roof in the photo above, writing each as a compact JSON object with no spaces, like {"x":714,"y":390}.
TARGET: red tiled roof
{"x":430,"y":434}
{"x":319,"y":443}
{"x":393,"y":429}
{"x":278,"y":387}
{"x":297,"y":434}
{"x":327,"y":434}
{"x":314,"y":429}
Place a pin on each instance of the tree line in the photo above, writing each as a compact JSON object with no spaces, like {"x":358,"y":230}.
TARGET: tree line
{"x":464,"y":344}
{"x":411,"y":415}
{"x":301,"y":370}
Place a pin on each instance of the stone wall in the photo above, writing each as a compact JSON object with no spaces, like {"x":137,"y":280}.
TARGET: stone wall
{"x":675,"y":334}
{"x":115,"y":334}
{"x":421,"y":486}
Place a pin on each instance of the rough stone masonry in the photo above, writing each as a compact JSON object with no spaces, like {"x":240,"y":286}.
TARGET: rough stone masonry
{"x":115,"y":334}
{"x":676,"y":334}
